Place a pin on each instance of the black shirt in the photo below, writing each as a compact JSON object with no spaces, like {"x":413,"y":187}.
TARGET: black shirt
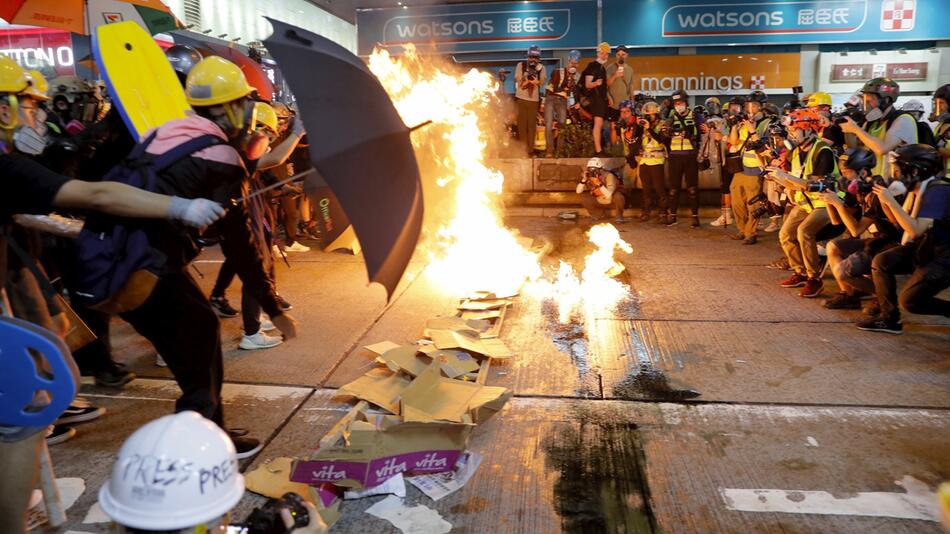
{"x":598,"y":72}
{"x":824,"y":162}
{"x":28,"y":187}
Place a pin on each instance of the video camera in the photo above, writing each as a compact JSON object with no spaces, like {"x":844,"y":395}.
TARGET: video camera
{"x":267,"y":520}
{"x":856,"y":114}
{"x":828,"y":183}
{"x":763,"y":206}
{"x":531,"y":73}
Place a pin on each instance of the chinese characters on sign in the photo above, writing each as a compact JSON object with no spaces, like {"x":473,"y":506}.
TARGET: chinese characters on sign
{"x":531,"y":24}
{"x":866,"y":71}
{"x":807,"y":17}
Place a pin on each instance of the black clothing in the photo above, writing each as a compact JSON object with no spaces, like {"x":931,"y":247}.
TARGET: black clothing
{"x":597,"y":95}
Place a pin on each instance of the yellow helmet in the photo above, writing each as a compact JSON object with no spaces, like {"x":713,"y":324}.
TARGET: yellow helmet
{"x":37,"y":87}
{"x":818,"y":99}
{"x":266,"y":116}
{"x":12,"y":76}
{"x":214,"y":81}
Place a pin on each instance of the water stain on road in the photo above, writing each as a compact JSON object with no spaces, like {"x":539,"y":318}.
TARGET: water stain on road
{"x":601,"y":485}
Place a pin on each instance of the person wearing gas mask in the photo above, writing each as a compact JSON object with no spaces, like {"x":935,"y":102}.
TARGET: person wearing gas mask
{"x":940,"y":114}
{"x":885,"y":127}
{"x":830,"y":132}
{"x":651,"y":162}
{"x":711,"y":156}
{"x":604,"y":191}
{"x":562,"y":83}
{"x":207,"y":485}
{"x":529,"y":78}
{"x":683,"y":127}
{"x":812,"y":163}
{"x":746,"y":127}
{"x":924,"y":252}
{"x":850,"y":257}
{"x":177,"y":318}
{"x":619,"y":81}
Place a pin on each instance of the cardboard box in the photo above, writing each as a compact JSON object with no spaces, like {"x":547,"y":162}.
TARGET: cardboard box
{"x":379,"y":386}
{"x":471,"y":342}
{"x":432,"y":397}
{"x":272,"y":479}
{"x":369,"y":449}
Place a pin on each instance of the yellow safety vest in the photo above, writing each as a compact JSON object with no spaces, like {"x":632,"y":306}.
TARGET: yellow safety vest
{"x":749,"y":157}
{"x":879,"y":129}
{"x":682,"y":143}
{"x":654,"y":152}
{"x":809,"y":201}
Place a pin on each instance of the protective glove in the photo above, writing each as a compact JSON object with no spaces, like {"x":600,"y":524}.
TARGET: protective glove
{"x":297,"y":128}
{"x":198,"y":212}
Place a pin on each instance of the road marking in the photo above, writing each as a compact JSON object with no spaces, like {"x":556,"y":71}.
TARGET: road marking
{"x":918,"y":502}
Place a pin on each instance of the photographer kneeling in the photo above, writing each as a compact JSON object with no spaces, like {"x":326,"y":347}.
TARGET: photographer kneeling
{"x":850,"y":258}
{"x":605,"y":190}
{"x":924,"y":252}
{"x":814,"y":170}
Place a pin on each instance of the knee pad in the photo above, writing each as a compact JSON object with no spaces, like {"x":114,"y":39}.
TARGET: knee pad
{"x":692,"y":192}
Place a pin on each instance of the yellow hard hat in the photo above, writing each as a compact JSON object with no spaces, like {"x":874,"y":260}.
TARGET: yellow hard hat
{"x":266,"y":116}
{"x":12,"y":76}
{"x":818,"y":99}
{"x":215,"y":80}
{"x":37,"y":87}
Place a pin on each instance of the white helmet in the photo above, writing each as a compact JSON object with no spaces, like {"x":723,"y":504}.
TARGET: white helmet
{"x":595,"y":163}
{"x":176,"y":472}
{"x":914,"y":106}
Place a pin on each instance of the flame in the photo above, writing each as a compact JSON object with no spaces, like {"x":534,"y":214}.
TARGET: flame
{"x":469,"y":248}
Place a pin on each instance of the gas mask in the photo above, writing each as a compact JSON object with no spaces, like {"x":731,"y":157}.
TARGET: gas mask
{"x":940,"y":111}
{"x":872,"y":108}
{"x":238,"y":122}
{"x":797,"y":137}
{"x":680,"y":108}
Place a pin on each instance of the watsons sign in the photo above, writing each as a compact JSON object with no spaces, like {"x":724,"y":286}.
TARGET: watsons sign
{"x":496,"y":26}
{"x":830,"y":16}
{"x":723,"y":22}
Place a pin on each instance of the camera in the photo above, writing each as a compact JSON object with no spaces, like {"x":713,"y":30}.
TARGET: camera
{"x":267,"y":520}
{"x":734,"y":119}
{"x":856,"y":114}
{"x":763,"y":207}
{"x":675,"y":128}
{"x":828,"y":183}
{"x":866,"y":186}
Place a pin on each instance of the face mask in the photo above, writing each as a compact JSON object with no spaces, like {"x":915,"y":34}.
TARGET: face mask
{"x":680,"y":108}
{"x":29,"y":141}
{"x":572,"y":70}
{"x":874,"y":113}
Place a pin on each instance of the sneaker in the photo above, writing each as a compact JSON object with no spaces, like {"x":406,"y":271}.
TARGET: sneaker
{"x":297,"y":247}
{"x":59,"y":433}
{"x":721,"y":221}
{"x":266,"y":324}
{"x":114,"y":378}
{"x":284,"y":305}
{"x":811,"y":289}
{"x":222,"y":307}
{"x":671,"y":220}
{"x":751,"y":240}
{"x":880,"y":324}
{"x":873,"y":310}
{"x":796,"y":280}
{"x":245,"y":446}
{"x":773,"y":225}
{"x":843,"y":301}
{"x":159,"y":361}
{"x":620,"y":220}
{"x":695,"y":223}
{"x":259,"y":340}
{"x":80,"y":414}
{"x":781,"y":263}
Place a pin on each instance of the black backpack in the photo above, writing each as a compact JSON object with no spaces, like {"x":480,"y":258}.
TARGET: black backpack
{"x":925,"y":134}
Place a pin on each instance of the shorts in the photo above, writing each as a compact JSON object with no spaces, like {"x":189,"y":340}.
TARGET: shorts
{"x":598,"y":107}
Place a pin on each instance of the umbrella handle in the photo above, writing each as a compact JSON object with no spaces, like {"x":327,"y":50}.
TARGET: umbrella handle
{"x":419,"y":126}
{"x":275,"y":185}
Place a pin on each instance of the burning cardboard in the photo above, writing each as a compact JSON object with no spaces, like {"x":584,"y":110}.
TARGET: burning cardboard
{"x":370,"y":449}
{"x":432,"y":397}
{"x":471,"y":342}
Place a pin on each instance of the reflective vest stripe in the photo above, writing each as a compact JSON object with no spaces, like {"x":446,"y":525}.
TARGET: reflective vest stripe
{"x":808,"y":201}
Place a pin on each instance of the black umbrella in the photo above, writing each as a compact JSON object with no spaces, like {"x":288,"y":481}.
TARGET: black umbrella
{"x":358,"y":143}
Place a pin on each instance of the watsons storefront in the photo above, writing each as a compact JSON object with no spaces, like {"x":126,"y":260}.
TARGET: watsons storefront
{"x":707,"y":48}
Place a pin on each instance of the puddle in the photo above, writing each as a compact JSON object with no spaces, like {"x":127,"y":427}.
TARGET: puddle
{"x":646,"y":381}
{"x":571,"y":339}
{"x":601,"y":486}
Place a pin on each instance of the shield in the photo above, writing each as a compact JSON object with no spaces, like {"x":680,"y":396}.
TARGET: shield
{"x":358,"y":143}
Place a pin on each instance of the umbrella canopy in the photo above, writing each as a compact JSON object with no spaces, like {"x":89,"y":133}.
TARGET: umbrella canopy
{"x":252,"y":70}
{"x":82,"y":16}
{"x":358,"y":143}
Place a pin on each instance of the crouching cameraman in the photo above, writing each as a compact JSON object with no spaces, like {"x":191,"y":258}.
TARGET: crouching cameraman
{"x":850,"y":257}
{"x":604,"y":191}
{"x":814,"y":169}
{"x":924,"y":252}
{"x":179,"y":474}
